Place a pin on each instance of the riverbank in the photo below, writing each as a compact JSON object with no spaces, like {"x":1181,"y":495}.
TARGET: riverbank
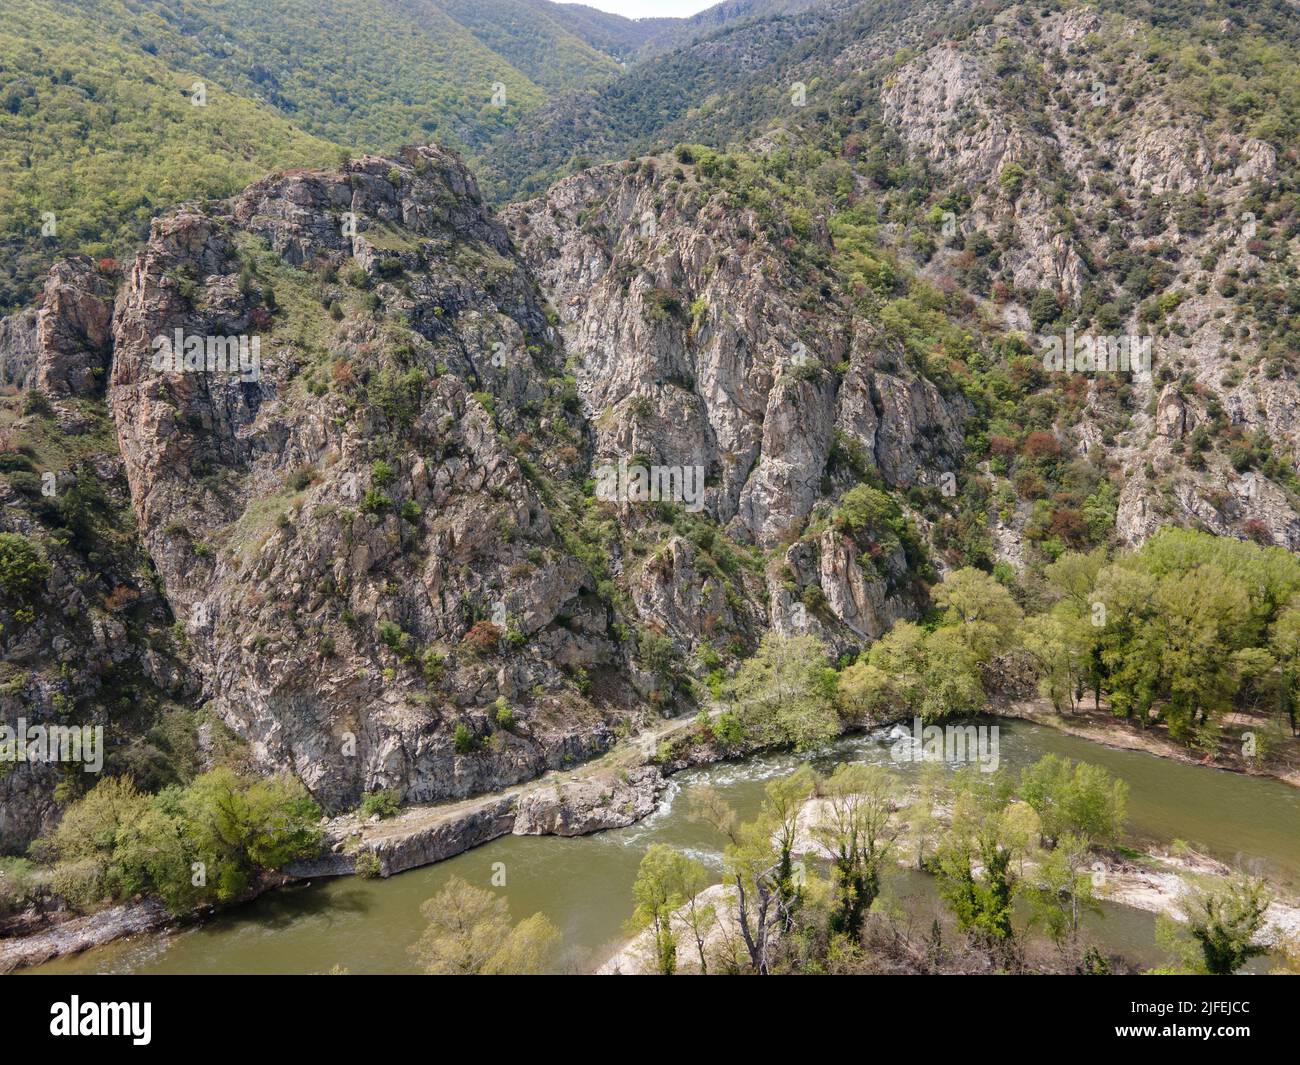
{"x":82,"y":933}
{"x":140,"y":916}
{"x":1101,"y":726}
{"x":1155,"y":883}
{"x":616,"y":790}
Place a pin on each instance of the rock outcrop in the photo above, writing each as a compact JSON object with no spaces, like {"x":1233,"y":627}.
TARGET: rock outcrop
{"x":62,"y":346}
{"x":590,"y":804}
{"x":694,"y":345}
{"x":330,"y":550}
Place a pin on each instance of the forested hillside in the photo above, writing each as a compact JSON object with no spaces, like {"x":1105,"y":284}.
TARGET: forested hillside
{"x":102,"y":136}
{"x":101,"y":122}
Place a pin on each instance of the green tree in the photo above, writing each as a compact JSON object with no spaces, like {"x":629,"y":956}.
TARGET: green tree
{"x":1202,"y":617}
{"x":239,"y":827}
{"x":758,"y":860}
{"x":784,"y":800}
{"x":982,"y":609}
{"x":667,"y":881}
{"x":856,"y":829}
{"x":470,"y":933}
{"x":1061,"y":649}
{"x":901,"y":658}
{"x":1285,"y":644}
{"x":929,"y":674}
{"x":1075,"y":798}
{"x":975,"y":863}
{"x":786,"y":693}
{"x":92,"y":832}
{"x":922,"y":817}
{"x":862,"y":692}
{"x":952,"y":684}
{"x":206,"y":841}
{"x":1223,"y":923}
{"x":22,"y":566}
{"x":1062,"y":890}
{"x":1073,"y":577}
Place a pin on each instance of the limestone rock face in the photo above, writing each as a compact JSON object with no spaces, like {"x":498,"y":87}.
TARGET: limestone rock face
{"x":72,"y":327}
{"x":317,"y":549}
{"x":687,"y":602}
{"x":18,"y":348}
{"x":694,"y":345}
{"x":90,"y":646}
{"x":1171,"y":414}
{"x":854,"y":599}
{"x":62,"y":346}
{"x":590,"y":805}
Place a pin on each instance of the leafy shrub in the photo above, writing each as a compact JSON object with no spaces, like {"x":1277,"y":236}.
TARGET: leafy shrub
{"x":503,"y":714}
{"x":117,"y":841}
{"x":483,"y":638}
{"x":22,"y":566}
{"x":465,"y":740}
{"x":366,"y":865}
{"x":727,"y":729}
{"x":382,"y":804}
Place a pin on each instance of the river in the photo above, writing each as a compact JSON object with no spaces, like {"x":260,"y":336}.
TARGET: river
{"x":584,"y":884}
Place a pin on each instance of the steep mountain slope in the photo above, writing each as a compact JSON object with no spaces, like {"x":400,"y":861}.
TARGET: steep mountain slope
{"x":96,"y":138}
{"x":1129,"y":171}
{"x":103,"y":123}
{"x":1146,"y":209}
{"x":86,"y":630}
{"x":385,"y":560}
{"x":537,"y":40}
{"x":385,"y":550}
{"x":623,"y":38}
{"x":377,"y":73}
{"x":629,"y":40}
{"x":363,"y":480}
{"x":636,"y":112}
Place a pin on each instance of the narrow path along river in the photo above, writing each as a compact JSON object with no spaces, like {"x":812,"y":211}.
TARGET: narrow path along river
{"x":584,"y":884}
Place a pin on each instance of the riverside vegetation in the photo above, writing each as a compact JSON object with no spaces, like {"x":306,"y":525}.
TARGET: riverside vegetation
{"x":1010,"y":858}
{"x":1018,"y":862}
{"x":997,"y":846}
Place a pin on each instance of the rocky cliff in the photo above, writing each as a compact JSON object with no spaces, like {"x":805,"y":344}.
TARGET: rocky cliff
{"x":340,"y":476}
{"x":354,"y":456}
{"x":1102,"y":181}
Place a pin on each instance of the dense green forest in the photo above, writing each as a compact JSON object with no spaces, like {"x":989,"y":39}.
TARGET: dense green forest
{"x":104,"y":137}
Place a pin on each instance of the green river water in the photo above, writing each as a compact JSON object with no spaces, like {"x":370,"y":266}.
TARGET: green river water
{"x":584,"y":884}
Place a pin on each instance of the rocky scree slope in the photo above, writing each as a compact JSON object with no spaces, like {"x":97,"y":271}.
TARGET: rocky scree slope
{"x":1068,"y":140}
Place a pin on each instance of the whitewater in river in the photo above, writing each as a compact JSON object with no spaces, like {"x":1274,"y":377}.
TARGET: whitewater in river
{"x":584,"y":884}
